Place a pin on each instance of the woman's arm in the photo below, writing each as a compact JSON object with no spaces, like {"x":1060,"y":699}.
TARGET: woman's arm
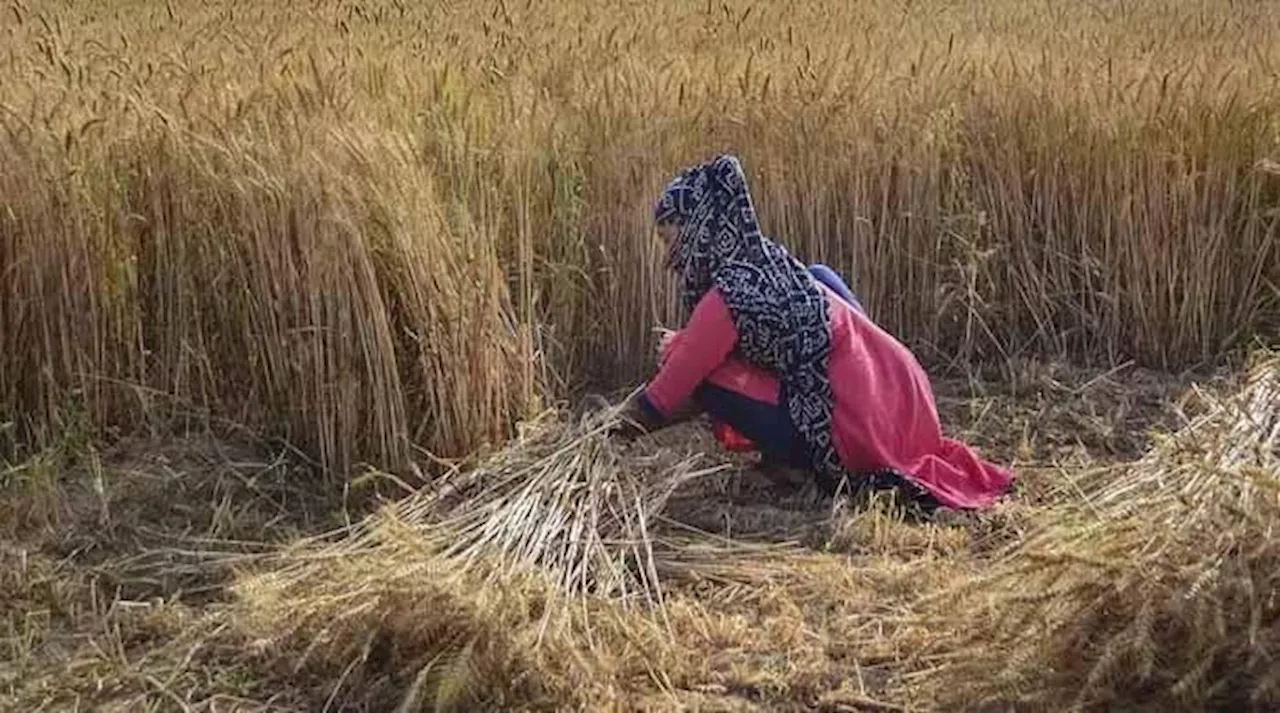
{"x":666,"y":340}
{"x":702,"y":346}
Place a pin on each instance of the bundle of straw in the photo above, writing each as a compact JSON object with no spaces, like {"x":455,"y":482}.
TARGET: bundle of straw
{"x":1157,"y":590}
{"x":527,"y":580}
{"x":565,"y":499}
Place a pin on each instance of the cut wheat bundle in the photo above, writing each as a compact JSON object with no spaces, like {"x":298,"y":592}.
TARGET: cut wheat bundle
{"x":534,"y":568}
{"x":564,"y":498}
{"x":1158,"y":586}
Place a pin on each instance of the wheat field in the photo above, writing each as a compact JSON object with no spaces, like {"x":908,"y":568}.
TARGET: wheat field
{"x":343,"y":219}
{"x":378,"y":239}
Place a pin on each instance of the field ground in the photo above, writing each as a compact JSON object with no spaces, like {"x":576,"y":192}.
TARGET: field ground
{"x":119,"y":596}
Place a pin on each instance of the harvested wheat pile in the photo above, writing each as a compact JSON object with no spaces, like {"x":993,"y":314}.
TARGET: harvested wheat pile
{"x":563,"y":498}
{"x":1157,"y":590}
{"x":511,"y":584}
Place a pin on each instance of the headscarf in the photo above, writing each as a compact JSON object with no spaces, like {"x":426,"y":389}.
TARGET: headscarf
{"x":778,"y":308}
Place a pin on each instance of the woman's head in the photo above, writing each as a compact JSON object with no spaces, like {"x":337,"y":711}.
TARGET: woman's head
{"x":672,"y":212}
{"x":705,"y":216}
{"x":680,"y":198}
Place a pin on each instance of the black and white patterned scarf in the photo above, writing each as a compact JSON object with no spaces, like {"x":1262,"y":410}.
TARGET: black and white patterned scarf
{"x":778,"y":308}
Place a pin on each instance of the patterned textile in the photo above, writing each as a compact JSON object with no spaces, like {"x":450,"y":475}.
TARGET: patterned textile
{"x":778,"y":308}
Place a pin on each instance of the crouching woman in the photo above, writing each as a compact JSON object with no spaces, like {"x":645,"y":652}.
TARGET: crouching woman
{"x":786,"y":356}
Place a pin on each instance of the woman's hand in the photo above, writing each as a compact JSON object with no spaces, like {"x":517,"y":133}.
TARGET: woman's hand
{"x":634,"y":420}
{"x":665,"y":337}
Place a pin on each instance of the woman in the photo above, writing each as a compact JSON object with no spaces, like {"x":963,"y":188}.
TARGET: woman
{"x":787,"y":361}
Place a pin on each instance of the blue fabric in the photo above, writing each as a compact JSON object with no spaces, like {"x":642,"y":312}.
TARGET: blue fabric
{"x":651,"y":412}
{"x":778,"y":308}
{"x":770,"y":428}
{"x":767,"y":425}
{"x":828,"y":277}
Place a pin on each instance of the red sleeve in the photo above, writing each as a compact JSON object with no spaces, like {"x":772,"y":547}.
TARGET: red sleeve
{"x":702,"y":346}
{"x":666,"y":352}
